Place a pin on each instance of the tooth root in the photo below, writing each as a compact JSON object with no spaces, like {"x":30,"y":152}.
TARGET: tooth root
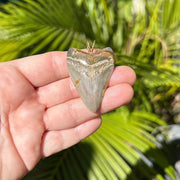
{"x":90,"y":73}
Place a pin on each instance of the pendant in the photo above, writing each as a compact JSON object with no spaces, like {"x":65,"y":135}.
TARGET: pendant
{"x":90,"y":72}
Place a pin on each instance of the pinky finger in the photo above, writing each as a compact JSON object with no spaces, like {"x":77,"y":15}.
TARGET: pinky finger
{"x":55,"y":141}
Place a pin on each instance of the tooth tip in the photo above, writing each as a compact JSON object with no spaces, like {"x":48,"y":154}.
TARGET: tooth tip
{"x":93,"y":107}
{"x":94,"y":110}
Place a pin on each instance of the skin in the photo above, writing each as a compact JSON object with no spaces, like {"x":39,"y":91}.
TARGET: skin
{"x":41,"y":112}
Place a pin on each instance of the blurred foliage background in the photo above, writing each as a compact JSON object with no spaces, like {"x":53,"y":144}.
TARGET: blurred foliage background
{"x":135,"y":141}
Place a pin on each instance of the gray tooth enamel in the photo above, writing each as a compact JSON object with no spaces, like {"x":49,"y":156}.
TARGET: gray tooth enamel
{"x":90,"y":73}
{"x":108,"y":49}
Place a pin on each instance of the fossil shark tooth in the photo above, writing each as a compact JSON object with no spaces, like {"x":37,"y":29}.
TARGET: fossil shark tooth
{"x":90,"y":72}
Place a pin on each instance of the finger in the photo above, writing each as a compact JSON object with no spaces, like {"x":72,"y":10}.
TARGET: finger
{"x":64,"y":90}
{"x":57,"y":92}
{"x":122,"y":74}
{"x":74,"y":112}
{"x":44,"y":68}
{"x":55,"y":141}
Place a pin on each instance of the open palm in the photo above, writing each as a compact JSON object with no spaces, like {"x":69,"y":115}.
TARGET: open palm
{"x":41,"y":112}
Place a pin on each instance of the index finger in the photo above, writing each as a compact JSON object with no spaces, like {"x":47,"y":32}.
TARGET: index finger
{"x":43,"y":69}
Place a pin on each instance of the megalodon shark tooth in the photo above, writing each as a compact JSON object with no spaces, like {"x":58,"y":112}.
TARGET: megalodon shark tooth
{"x":90,"y":72}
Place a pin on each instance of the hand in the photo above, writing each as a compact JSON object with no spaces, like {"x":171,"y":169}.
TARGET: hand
{"x":41,"y":112}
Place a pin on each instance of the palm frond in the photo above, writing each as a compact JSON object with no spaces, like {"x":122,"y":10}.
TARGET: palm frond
{"x":41,"y":26}
{"x":150,"y":75}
